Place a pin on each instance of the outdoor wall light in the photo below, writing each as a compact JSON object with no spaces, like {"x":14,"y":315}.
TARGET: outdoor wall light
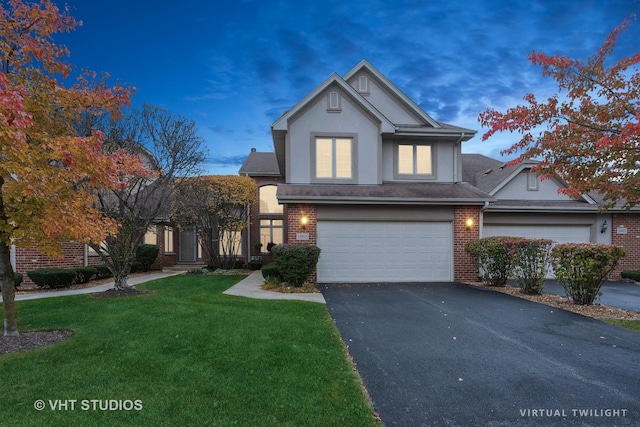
{"x":468,"y":223}
{"x":304,"y":220}
{"x":603,"y":227}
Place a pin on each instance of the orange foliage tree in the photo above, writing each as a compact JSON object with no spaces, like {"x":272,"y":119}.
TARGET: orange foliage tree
{"x":590,"y":135}
{"x":50,"y":177}
{"x":217,"y":207}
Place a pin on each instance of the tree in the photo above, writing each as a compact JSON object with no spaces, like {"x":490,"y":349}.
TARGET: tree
{"x":590,"y":136}
{"x":168,"y":144}
{"x":217,"y":207}
{"x":49,"y":176}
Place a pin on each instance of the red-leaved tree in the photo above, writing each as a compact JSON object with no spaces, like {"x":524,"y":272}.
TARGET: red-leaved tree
{"x":588,"y":133}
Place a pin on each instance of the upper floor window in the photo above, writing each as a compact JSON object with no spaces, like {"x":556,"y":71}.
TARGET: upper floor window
{"x":268,"y":200}
{"x":414,"y":161}
{"x":333,"y":158}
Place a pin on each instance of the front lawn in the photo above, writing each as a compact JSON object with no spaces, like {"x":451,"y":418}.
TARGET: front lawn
{"x":186,"y":355}
{"x":633,"y":325}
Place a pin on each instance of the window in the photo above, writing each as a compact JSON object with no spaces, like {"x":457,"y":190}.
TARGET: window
{"x":150,"y":237}
{"x":414,"y":160}
{"x":230,"y":243}
{"x":271,"y":230}
{"x":333,"y":158}
{"x":532,"y":181}
{"x":268,"y":201}
{"x":168,"y":240}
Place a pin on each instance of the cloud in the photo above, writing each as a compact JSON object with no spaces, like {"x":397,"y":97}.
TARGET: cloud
{"x":236,"y":160}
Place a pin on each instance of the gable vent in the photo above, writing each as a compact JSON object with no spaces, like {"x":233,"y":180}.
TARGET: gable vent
{"x":333,"y":101}
{"x":363,"y":84}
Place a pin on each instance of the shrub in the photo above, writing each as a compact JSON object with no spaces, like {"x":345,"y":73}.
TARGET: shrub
{"x":530,"y":260}
{"x":53,"y":277}
{"x":295,"y":263}
{"x":631,"y":274}
{"x":581,"y":269}
{"x":255,"y":264}
{"x":102,"y":271}
{"x":492,"y":257}
{"x":146,"y":255}
{"x":270,"y":271}
{"x":17,"y":279}
{"x":84,"y":274}
{"x":136,"y":266}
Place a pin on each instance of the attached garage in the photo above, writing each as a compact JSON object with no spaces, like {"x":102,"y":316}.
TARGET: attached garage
{"x":557,"y":233}
{"x":385,"y":251}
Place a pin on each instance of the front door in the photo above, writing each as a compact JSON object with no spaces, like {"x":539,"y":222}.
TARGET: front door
{"x":188,"y":246}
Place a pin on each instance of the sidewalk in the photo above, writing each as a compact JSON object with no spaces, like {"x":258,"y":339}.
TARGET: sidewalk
{"x":250,"y":288}
{"x":100,"y":288}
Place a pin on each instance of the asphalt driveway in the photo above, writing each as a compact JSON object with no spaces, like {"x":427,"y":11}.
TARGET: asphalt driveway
{"x":451,"y":354}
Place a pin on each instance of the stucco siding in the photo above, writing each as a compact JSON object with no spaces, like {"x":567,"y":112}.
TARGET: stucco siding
{"x":517,"y":189}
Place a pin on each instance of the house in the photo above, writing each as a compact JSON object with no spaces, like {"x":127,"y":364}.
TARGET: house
{"x":360,"y":170}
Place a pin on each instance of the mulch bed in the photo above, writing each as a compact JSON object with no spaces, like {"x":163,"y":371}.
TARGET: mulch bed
{"x":31,"y":340}
{"x":119,"y":293}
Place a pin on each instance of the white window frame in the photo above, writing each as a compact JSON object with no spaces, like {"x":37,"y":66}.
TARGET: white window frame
{"x":353,"y":159}
{"x":414,"y":175}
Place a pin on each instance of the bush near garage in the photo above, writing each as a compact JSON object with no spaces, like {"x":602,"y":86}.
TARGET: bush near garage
{"x":295,"y":263}
{"x":582,"y":268}
{"x":530,"y":260}
{"x":54,"y":278}
{"x":492,"y":257}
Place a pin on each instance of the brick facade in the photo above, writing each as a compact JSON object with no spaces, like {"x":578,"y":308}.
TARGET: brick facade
{"x":629,"y":223}
{"x":299,"y":234}
{"x":464,"y":268}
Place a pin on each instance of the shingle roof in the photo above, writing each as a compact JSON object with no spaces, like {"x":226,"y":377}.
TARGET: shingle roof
{"x":414,"y":193}
{"x":260,"y":164}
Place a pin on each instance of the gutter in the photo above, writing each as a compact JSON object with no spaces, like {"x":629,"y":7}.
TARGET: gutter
{"x":481,"y":219}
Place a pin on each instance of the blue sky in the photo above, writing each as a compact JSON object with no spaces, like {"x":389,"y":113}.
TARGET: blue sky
{"x":234,"y":66}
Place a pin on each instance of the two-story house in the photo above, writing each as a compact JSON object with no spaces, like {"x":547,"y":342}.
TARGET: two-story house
{"x":384,"y":190}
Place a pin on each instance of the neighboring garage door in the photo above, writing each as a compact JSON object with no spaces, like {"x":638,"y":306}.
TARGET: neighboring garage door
{"x":557,"y":233}
{"x":384,"y":251}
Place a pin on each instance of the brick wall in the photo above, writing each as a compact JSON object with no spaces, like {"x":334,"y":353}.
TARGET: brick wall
{"x":463,"y":265}
{"x":296,"y":229}
{"x":629,"y":241}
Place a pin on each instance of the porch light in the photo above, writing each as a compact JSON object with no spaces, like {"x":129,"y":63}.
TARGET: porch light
{"x":468,"y":223}
{"x":603,"y":228}
{"x":304,"y":220}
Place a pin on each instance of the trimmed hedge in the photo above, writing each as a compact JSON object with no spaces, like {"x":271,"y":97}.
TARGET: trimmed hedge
{"x":631,"y":274}
{"x":84,"y":274}
{"x":530,"y":259}
{"x":146,"y":255}
{"x":103,"y":271}
{"x":581,"y":269}
{"x":54,"y":278}
{"x":295,"y":263}
{"x":17,"y":279}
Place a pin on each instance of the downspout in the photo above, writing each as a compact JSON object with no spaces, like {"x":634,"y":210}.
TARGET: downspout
{"x":457,"y":152}
{"x":481,"y":219}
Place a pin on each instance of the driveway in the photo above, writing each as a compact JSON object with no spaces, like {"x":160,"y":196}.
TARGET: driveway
{"x":454,"y":355}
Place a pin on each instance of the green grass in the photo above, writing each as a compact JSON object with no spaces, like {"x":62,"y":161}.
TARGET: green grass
{"x":633,"y":325}
{"x":191,"y":355}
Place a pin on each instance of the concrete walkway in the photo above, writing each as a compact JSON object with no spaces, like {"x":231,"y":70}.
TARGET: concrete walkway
{"x":250,"y":288}
{"x":100,"y":288}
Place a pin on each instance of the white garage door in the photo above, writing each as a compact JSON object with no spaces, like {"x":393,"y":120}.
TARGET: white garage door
{"x":381,"y":251}
{"x":557,"y":233}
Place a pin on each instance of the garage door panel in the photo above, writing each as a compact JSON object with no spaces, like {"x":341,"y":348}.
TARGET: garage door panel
{"x":367,"y":251}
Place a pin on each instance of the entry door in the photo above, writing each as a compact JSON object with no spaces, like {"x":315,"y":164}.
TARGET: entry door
{"x":188,"y":246}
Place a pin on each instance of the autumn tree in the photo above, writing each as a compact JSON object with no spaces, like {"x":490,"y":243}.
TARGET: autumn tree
{"x":49,"y":176}
{"x":588,"y":133}
{"x":168,"y":144}
{"x":217,"y":207}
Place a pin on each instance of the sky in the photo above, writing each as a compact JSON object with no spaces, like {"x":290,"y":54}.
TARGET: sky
{"x":235,"y":66}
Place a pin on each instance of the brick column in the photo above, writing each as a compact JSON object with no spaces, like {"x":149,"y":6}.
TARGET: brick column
{"x":464,"y":268}
{"x":297,"y":234}
{"x":629,"y":241}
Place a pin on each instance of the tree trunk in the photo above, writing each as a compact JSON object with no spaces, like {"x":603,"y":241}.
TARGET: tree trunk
{"x":8,"y":292}
{"x":121,"y":281}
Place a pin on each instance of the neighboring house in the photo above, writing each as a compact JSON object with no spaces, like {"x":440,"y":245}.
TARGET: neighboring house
{"x":384,"y":190}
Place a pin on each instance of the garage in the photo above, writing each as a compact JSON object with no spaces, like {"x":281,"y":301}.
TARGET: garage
{"x":384,"y":251}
